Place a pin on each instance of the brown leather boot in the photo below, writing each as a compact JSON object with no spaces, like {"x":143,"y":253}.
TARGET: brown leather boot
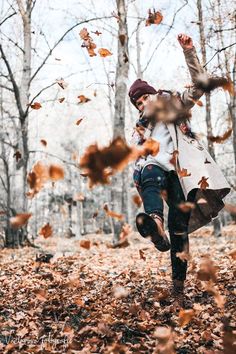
{"x":152,"y":226}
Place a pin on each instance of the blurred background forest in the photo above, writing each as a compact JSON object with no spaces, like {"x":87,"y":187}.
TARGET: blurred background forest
{"x":57,"y":98}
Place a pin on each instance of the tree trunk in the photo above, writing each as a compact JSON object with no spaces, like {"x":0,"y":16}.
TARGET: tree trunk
{"x":119,"y":183}
{"x":216,"y":222}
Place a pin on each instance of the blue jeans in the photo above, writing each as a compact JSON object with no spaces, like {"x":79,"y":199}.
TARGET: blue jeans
{"x":153,"y":183}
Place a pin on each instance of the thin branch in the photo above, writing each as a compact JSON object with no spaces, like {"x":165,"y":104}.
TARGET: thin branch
{"x":14,"y":84}
{"x":1,"y":23}
{"x":39,"y":93}
{"x":61,"y":39}
{"x":218,"y":51}
{"x":57,"y":157}
{"x":7,"y":88}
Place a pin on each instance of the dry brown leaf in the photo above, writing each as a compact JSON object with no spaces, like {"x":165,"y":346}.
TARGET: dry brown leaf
{"x":56,"y":172}
{"x":185,"y":316}
{"x":183,"y":173}
{"x":87,"y":42}
{"x":43,"y":142}
{"x":111,"y":213}
{"x":154,"y":18}
{"x":103,"y":52}
{"x":83,"y":99}
{"x":97,"y":32}
{"x":207,"y":271}
{"x":62,"y":99}
{"x":207,"y":84}
{"x":125,"y":231}
{"x":203,"y":183}
{"x":17,"y":155}
{"x":85,"y":244}
{"x":46,"y":231}
{"x":35,"y":105}
{"x":137,"y":200}
{"x":221,"y":138}
{"x":19,"y":220}
{"x":79,"y":121}
{"x":142,"y":255}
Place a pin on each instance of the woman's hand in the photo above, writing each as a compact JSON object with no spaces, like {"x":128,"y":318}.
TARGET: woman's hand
{"x":185,"y":41}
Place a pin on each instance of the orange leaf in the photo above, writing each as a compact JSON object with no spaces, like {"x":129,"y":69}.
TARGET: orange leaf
{"x":79,"y":121}
{"x":56,"y":172}
{"x":185,"y":207}
{"x":85,"y":244}
{"x":62,"y":99}
{"x":183,"y":173}
{"x":46,"y":231}
{"x":185,"y":316}
{"x":112,"y":213}
{"x":137,"y":200}
{"x":154,"y":18}
{"x":150,"y":147}
{"x":19,"y":220}
{"x":35,"y":105}
{"x":104,"y":52}
{"x":221,"y":138}
{"x":83,"y":99}
{"x":43,"y":142}
{"x":203,"y":183}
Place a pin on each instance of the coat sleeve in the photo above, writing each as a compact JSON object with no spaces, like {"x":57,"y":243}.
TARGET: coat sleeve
{"x":191,"y":95}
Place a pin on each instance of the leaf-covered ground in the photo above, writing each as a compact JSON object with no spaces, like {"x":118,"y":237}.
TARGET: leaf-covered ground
{"x":99,"y":299}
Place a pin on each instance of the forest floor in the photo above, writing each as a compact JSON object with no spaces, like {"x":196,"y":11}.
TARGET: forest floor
{"x":92,"y":298}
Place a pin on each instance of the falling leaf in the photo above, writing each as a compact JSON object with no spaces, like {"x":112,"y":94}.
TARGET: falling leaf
{"x":19,"y":220}
{"x":43,"y":142}
{"x":207,"y":270}
{"x":83,"y":99}
{"x":87,"y":42}
{"x":61,"y":82}
{"x":185,"y":316}
{"x":206,"y":161}
{"x":154,"y":18}
{"x":220,"y":138}
{"x":85,"y":244}
{"x":112,"y":213}
{"x":173,"y":160}
{"x":17,"y":155}
{"x":79,"y":121}
{"x":184,"y":256}
{"x":183,"y":173}
{"x":35,"y":105}
{"x":97,"y":32}
{"x":95,"y":93}
{"x":137,"y":200}
{"x":104,"y":52}
{"x":56,"y":172}
{"x":150,"y":147}
{"x":203,"y":183}
{"x":142,"y":255}
{"x":125,"y":231}
{"x":46,"y":231}
{"x":62,"y":99}
{"x":207,"y":84}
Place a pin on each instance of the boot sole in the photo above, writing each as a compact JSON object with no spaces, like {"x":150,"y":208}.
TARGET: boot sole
{"x":147,"y":227}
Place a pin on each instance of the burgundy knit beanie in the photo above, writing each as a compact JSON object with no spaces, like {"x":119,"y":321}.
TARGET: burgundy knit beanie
{"x":139,"y":88}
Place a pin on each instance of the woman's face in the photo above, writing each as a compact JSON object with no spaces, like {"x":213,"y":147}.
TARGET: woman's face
{"x":140,"y":103}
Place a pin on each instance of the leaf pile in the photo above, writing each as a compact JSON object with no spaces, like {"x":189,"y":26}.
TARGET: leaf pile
{"x":100,"y":299}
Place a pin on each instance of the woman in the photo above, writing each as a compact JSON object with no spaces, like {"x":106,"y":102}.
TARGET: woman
{"x":183,"y":170}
